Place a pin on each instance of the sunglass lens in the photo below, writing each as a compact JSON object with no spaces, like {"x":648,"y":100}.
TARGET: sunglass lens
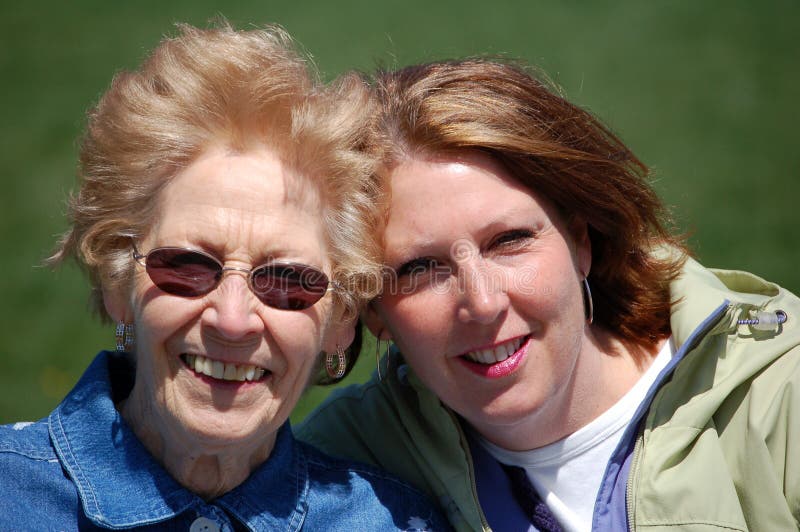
{"x":182,"y":272}
{"x":289,"y":286}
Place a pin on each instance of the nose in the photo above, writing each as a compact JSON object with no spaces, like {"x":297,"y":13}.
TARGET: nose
{"x":483,"y":297}
{"x":232,"y":309}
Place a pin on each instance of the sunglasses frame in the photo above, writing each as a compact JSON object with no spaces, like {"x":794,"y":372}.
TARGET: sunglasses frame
{"x":141,"y":259}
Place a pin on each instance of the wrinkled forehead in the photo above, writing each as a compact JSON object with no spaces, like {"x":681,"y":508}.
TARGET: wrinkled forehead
{"x":250,"y":192}
{"x":263,"y":174}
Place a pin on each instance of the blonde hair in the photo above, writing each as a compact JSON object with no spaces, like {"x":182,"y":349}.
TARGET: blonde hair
{"x":239,"y":89}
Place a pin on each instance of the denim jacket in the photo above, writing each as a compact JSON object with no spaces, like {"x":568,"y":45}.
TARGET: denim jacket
{"x":82,"y":468}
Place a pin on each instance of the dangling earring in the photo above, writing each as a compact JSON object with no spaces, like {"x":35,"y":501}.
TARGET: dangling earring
{"x":336,"y":363}
{"x":125,"y":336}
{"x":587,"y":297}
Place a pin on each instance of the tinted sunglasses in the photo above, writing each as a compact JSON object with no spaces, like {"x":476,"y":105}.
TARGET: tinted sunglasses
{"x":191,"y":273}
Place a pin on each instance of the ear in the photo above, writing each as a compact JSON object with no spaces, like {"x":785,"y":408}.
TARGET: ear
{"x":117,"y":305}
{"x":374,"y":321}
{"x":579,"y":230}
{"x":340,"y":332}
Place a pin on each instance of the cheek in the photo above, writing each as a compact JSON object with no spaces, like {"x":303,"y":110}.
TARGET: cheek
{"x":557,"y":285}
{"x":417,"y":322}
{"x":298,"y":337}
{"x":159,"y":318}
{"x":298,"y":354}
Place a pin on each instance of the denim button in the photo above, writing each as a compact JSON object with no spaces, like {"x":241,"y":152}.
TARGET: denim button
{"x":204,"y":524}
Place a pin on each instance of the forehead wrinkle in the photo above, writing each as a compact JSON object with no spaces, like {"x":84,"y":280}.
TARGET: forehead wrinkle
{"x":263,"y":222}
{"x":249,"y":235}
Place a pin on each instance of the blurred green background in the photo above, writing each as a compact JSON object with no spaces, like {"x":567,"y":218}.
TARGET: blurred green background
{"x":705,"y":92}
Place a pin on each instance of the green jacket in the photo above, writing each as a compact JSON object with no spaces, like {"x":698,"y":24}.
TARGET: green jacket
{"x":718,"y":447}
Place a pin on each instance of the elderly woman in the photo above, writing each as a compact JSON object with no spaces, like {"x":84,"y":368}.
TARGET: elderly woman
{"x":220,"y":218}
{"x":561,"y":363}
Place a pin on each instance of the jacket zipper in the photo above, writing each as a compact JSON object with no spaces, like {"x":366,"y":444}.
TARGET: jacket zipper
{"x":465,"y":445}
{"x":629,"y":503}
{"x":691,"y":342}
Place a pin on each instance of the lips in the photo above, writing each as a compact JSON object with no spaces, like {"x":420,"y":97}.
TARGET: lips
{"x":223,"y":370}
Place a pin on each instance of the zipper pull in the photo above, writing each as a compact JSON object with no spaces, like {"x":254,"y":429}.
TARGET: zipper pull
{"x":764,"y":320}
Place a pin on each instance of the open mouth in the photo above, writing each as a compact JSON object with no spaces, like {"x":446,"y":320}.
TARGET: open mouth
{"x":497,"y":353}
{"x":222,"y":370}
{"x":497,"y":361}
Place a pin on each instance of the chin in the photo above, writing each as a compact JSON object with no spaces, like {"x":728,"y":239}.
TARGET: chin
{"x":505,"y":413}
{"x":222,"y":430}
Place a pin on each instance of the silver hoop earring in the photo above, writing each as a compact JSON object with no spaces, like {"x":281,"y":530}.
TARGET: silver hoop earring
{"x":587,"y":296}
{"x":378,"y":355}
{"x":336,"y":363}
{"x":125,"y":336}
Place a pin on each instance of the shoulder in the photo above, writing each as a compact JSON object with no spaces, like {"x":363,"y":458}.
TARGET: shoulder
{"x":351,"y":421}
{"x":726,"y":418}
{"x":359,"y":496}
{"x":26,"y":440}
{"x":713,"y":315}
{"x":380,"y":422}
{"x":727,"y":355}
{"x":31,"y":478}
{"x":774,"y":395}
{"x":324,"y":467}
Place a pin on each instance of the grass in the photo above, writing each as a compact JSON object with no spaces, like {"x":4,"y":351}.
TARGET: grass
{"x":704,"y":92}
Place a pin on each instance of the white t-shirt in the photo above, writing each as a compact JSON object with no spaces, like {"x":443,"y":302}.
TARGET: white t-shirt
{"x":567,"y":473}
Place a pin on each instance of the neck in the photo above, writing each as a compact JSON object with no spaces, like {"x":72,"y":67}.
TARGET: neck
{"x":207,"y":469}
{"x":605,"y":371}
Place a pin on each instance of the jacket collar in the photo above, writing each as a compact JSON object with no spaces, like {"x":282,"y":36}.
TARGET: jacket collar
{"x":698,"y":291}
{"x":120,"y":484}
{"x":696,"y":294}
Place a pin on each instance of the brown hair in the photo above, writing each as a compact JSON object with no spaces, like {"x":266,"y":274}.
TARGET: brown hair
{"x":238,"y":89}
{"x":557,"y":150}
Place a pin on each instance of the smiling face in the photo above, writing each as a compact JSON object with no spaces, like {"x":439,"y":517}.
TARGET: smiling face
{"x":245,"y":210}
{"x":487,"y":305}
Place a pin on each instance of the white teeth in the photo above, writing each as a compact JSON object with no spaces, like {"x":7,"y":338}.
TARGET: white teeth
{"x":207,"y":367}
{"x":502,"y":353}
{"x":496,"y":354}
{"x":217,"y":369}
{"x":473,"y":357}
{"x":223,"y":371}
